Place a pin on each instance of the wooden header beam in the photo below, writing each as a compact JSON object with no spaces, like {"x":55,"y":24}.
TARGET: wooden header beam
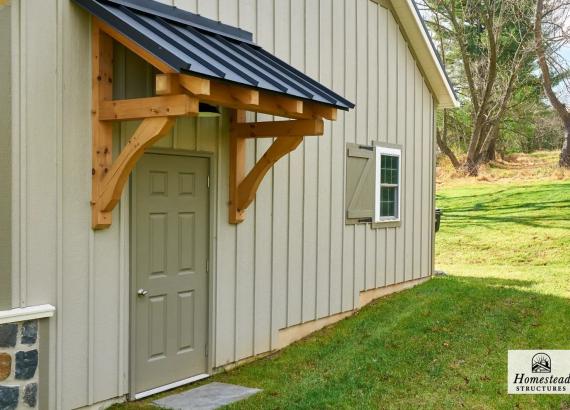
{"x":268,"y":129}
{"x":140,"y":108}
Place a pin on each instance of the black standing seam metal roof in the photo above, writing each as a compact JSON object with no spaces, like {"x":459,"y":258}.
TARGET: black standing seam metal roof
{"x":194,"y":44}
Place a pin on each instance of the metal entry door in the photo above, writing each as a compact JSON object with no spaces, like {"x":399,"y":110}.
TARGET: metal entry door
{"x":170,"y":289}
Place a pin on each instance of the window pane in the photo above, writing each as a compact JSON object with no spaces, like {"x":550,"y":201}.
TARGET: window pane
{"x":388,"y":201}
{"x":389,"y":169}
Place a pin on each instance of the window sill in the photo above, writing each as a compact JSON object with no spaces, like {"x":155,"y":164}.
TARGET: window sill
{"x":386,"y":224}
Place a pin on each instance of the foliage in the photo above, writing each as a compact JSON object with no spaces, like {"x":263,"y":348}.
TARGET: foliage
{"x":443,"y":344}
{"x":550,"y":32}
{"x":488,"y":48}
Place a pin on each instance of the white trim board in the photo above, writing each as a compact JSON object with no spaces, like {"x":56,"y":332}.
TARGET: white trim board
{"x":27,"y":313}
{"x":170,"y":386}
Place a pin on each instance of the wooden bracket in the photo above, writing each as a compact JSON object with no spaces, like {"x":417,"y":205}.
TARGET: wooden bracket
{"x":110,"y":188}
{"x":108,"y":177}
{"x":289,"y":134}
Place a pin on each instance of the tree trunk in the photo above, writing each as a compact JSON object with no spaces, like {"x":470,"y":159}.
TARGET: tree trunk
{"x":446,"y":150}
{"x":471,"y":167}
{"x":490,"y":155}
{"x":565,"y":154}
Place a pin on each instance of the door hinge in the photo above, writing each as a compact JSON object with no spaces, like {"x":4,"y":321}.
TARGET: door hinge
{"x":207,"y":266}
{"x":208,"y":181}
{"x":206,"y":349}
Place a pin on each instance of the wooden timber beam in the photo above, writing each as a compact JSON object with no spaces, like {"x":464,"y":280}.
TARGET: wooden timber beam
{"x":248,"y":187}
{"x":243,"y":98}
{"x":133,"y":46}
{"x":237,"y":167}
{"x":102,"y":132}
{"x":111,"y":187}
{"x":268,"y":129}
{"x":139,"y":108}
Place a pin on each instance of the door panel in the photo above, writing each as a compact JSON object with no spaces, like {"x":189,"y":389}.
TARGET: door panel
{"x":170,"y":226}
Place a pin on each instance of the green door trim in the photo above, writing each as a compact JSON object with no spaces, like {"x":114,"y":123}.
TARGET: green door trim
{"x":211,"y":258}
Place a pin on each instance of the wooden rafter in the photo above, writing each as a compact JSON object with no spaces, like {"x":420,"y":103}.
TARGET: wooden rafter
{"x":133,"y":46}
{"x":238,"y":97}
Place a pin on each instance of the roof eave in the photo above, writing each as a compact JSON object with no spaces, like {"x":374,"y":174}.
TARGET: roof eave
{"x":421,"y":44}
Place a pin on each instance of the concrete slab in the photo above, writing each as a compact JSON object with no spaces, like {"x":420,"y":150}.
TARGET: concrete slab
{"x":207,"y":397}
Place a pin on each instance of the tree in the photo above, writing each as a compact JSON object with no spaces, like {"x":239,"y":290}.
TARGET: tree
{"x":550,"y":34}
{"x":490,"y":54}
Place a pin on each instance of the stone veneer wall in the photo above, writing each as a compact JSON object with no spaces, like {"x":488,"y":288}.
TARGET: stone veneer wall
{"x":19,"y":365}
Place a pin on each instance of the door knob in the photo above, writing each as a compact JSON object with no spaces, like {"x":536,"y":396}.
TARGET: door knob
{"x":142,"y":292}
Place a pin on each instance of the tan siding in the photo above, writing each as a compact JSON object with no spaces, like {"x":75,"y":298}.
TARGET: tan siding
{"x":263,"y":212}
{"x":371,"y":127}
{"x":348,"y":270}
{"x":391,"y":122}
{"x":418,"y":186}
{"x":324,"y":185}
{"x":382,"y":129}
{"x":310,"y":168}
{"x":280,"y":193}
{"x":5,"y":157}
{"x":409,"y":162}
{"x":361,"y":231}
{"x":296,"y":183}
{"x":338,"y":158}
{"x":292,"y":260}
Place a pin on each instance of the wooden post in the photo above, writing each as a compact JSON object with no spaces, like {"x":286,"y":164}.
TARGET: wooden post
{"x":102,"y":138}
{"x":237,"y":167}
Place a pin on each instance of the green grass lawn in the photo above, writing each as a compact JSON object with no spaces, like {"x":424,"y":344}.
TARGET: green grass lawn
{"x":443,"y":344}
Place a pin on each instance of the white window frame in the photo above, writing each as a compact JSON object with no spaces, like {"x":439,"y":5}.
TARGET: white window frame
{"x":379,"y":151}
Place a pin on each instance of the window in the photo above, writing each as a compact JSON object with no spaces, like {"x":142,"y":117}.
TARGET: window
{"x":387,"y":189}
{"x":373,"y":184}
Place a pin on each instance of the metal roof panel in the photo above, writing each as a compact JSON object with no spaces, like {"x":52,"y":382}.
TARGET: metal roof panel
{"x":194,"y":44}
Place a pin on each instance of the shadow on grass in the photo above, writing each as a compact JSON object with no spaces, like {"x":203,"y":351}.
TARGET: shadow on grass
{"x":494,"y":222}
{"x":442,"y":344}
{"x":521,"y":207}
{"x":508,"y":192}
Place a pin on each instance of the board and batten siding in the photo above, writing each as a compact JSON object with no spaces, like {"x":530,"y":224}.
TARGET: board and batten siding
{"x":5,"y":157}
{"x":291,"y":261}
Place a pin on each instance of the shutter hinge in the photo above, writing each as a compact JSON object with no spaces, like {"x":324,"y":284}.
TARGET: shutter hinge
{"x":206,"y":350}
{"x":208,"y":181}
{"x":207,"y":266}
